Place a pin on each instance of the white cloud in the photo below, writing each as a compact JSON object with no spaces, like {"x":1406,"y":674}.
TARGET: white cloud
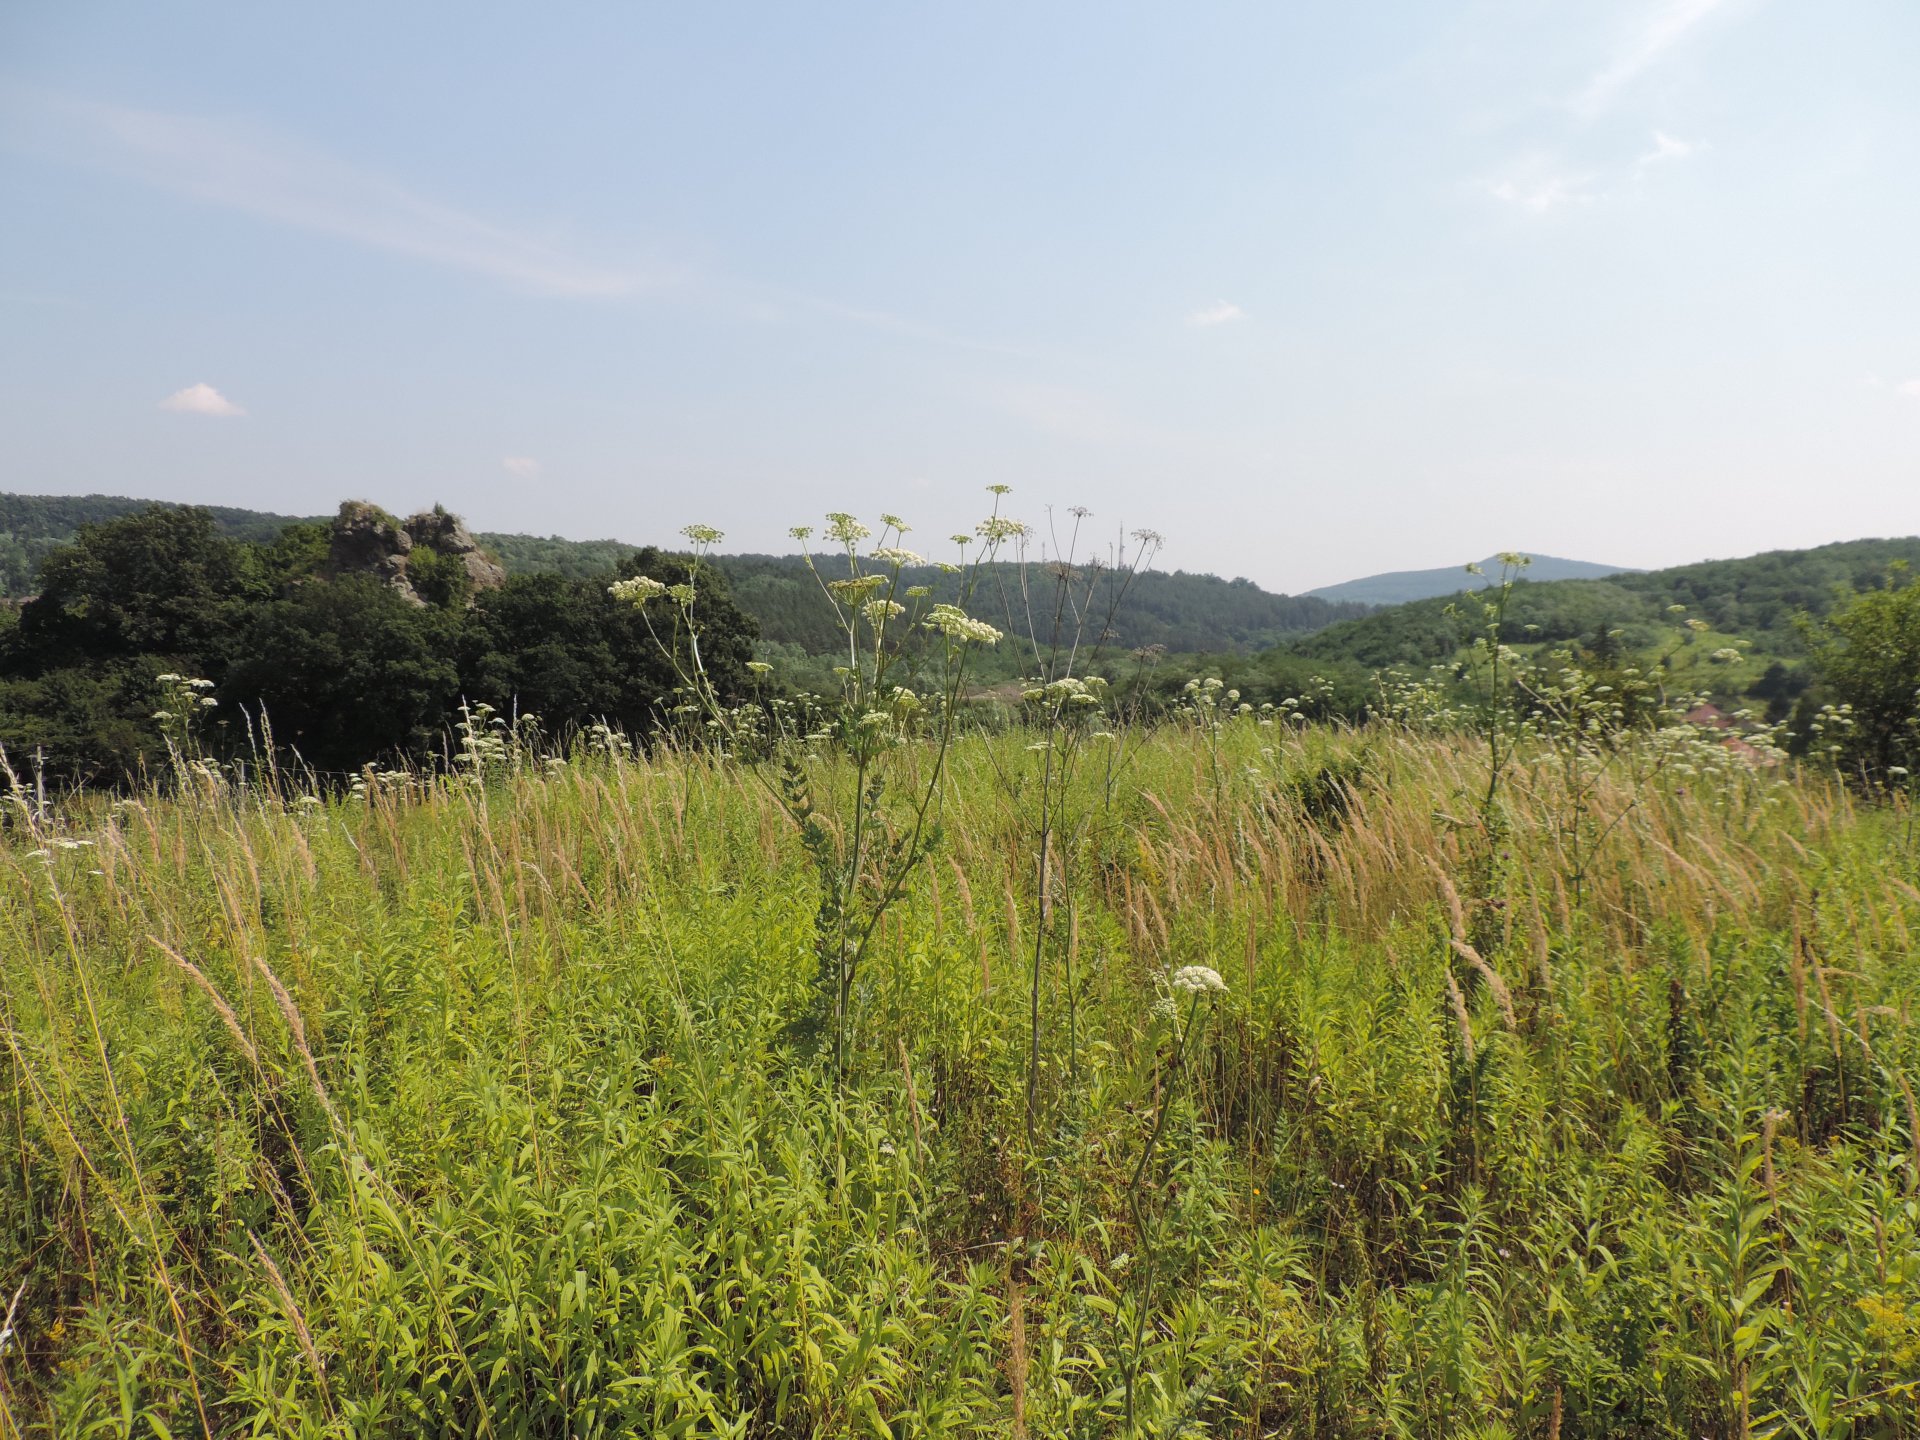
{"x":1221,"y":312}
{"x":201,"y":399}
{"x":1540,"y":194}
{"x":225,"y":163}
{"x":1664,"y":27}
{"x":1666,"y":147}
{"x":1910,"y":387}
{"x":1538,"y":184}
{"x":525,"y":466}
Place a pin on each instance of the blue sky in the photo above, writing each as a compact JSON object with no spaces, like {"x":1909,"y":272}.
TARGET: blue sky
{"x":1314,"y":290}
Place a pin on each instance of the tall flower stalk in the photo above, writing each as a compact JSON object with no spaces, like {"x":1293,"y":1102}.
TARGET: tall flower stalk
{"x":1195,"y":984}
{"x":1063,"y":607}
{"x":891,"y":725}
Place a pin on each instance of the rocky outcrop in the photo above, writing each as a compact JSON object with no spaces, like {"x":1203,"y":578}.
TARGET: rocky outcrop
{"x":447,"y":534}
{"x":368,"y":541}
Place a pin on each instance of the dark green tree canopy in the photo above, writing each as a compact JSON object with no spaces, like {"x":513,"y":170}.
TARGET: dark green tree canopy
{"x":1867,"y":657}
{"x":162,"y":582}
{"x":567,"y":651}
{"x":346,"y":672}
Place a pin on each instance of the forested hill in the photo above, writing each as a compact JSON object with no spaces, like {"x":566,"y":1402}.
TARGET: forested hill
{"x":1396,"y":587}
{"x":1756,"y":599}
{"x":1175,"y":609}
{"x":33,"y":526}
{"x":1179,"y":610}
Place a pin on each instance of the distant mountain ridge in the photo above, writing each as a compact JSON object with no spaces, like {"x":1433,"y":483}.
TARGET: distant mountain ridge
{"x":1397,"y":587}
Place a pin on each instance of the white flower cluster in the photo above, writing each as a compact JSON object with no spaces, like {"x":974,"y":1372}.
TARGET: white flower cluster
{"x":1197,"y":980}
{"x":637,"y":591}
{"x":878,"y":611}
{"x":1068,"y":691}
{"x":898,"y":555}
{"x":857,"y":588}
{"x":999,"y":528}
{"x":844,"y":529}
{"x":954,"y":623}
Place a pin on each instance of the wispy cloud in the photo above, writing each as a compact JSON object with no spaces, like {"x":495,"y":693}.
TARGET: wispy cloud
{"x":201,"y":399}
{"x":777,"y":303}
{"x":1221,"y":312}
{"x":1662,"y":28}
{"x":226,"y":163}
{"x":525,"y":466}
{"x":1666,"y":148}
{"x":249,"y":170}
{"x":1542,"y":183}
{"x":1538,"y":194}
{"x":1910,"y":387}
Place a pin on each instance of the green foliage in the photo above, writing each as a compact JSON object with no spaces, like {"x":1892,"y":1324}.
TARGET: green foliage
{"x":1180,"y":611}
{"x":440,"y":580}
{"x":458,"y":1108}
{"x":34,"y":526}
{"x":160,"y":582}
{"x":83,"y":725}
{"x":1175,"y":610}
{"x":344,"y":670}
{"x":1758,"y":598}
{"x":566,"y":651}
{"x":552,"y":555}
{"x":894,"y":633}
{"x":294,"y":658}
{"x":151,"y":591}
{"x":1866,"y":654}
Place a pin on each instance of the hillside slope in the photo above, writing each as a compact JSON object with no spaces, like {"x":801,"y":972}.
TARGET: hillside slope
{"x":1754,"y":600}
{"x":1397,"y":587}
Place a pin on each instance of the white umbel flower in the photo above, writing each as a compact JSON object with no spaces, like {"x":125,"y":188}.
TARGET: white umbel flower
{"x":637,"y":591}
{"x":954,"y":623}
{"x":1197,"y":980}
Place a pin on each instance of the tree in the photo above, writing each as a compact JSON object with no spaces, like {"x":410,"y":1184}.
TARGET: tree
{"x":1867,"y":656}
{"x":565,"y":650}
{"x":128,"y":599}
{"x":162,"y":582}
{"x":347,"y":671}
{"x":91,"y":725}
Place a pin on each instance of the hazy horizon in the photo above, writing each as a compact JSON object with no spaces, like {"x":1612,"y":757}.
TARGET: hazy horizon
{"x":1315,"y":295}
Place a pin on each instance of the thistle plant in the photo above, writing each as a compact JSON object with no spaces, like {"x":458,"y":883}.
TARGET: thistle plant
{"x":890,"y":726}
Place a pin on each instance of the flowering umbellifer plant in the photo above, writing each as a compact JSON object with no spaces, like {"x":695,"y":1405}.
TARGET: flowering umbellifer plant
{"x":891,"y":725}
{"x":1062,"y":604}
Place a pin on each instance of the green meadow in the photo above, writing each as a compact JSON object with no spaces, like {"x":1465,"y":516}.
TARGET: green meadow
{"x":1277,"y":1093}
